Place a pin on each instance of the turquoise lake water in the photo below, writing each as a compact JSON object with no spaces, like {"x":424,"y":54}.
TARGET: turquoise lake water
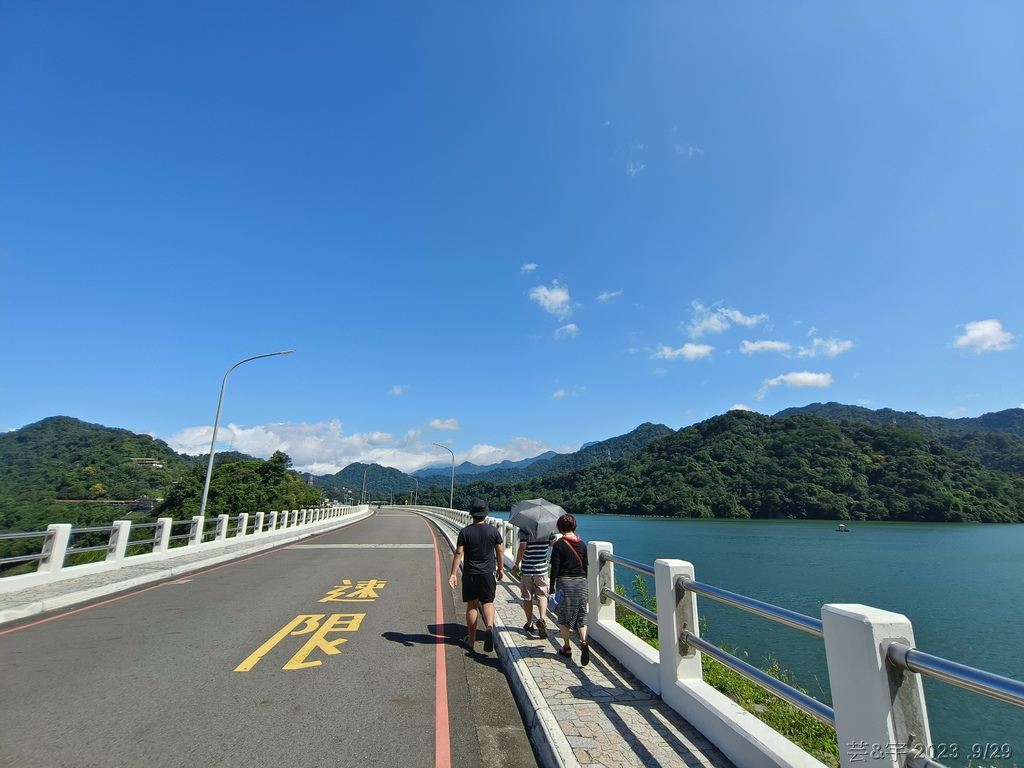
{"x":962,"y":587}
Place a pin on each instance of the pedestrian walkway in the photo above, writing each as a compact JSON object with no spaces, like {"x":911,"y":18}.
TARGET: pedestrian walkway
{"x":598,"y":715}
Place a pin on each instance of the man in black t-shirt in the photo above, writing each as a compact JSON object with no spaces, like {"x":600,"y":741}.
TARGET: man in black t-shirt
{"x":480,"y":545}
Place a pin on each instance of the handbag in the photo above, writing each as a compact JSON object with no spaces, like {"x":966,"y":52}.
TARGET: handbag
{"x":555,"y":600}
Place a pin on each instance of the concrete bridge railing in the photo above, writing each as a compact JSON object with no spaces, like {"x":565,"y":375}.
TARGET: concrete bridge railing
{"x":875,"y":672}
{"x":165,"y":539}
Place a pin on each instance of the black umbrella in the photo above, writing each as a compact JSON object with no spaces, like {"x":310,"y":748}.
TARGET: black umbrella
{"x":538,"y":517}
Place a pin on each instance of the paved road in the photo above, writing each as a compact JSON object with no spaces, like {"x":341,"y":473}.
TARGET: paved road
{"x":336,"y":651}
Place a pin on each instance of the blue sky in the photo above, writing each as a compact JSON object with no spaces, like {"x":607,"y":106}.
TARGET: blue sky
{"x":506,"y":228}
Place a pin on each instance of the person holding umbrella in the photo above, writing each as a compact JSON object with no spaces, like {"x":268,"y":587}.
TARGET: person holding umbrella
{"x":537,"y":520}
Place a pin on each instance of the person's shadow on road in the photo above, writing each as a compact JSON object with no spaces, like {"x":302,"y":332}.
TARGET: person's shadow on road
{"x":448,"y":634}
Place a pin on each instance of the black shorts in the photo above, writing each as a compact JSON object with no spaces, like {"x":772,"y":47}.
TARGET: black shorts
{"x":478,"y":586}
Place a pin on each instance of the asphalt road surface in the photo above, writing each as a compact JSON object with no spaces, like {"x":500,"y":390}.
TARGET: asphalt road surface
{"x":340,"y":650}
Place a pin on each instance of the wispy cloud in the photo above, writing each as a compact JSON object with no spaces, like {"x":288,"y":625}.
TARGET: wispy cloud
{"x":632,"y":169}
{"x":527,"y":268}
{"x":750,"y":347}
{"x":796,"y":379}
{"x":554,"y":299}
{"x":398,"y":389}
{"x":607,"y":296}
{"x":715,"y":319}
{"x":826,"y":347}
{"x":689,"y":151}
{"x":570,"y":331}
{"x":687,"y":351}
{"x":985,"y":336}
{"x":558,"y":394}
{"x":444,"y":424}
{"x":741,"y":407}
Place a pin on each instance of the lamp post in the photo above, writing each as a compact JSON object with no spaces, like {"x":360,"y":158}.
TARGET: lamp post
{"x":391,"y":503}
{"x":216,"y":423}
{"x":451,"y":495}
{"x":362,"y":499}
{"x":416,"y":498}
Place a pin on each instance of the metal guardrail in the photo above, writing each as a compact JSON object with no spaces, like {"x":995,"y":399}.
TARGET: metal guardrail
{"x":13,"y":559}
{"x":1004,"y":689}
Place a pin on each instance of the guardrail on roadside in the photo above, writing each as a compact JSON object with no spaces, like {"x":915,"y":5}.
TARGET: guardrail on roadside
{"x":875,"y":672}
{"x":57,"y":549}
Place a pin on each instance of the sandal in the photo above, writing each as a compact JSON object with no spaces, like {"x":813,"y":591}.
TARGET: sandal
{"x":567,"y":652}
{"x":584,"y":654}
{"x":542,"y":630}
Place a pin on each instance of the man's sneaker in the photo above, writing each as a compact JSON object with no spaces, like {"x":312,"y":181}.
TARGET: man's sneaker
{"x":528,"y":627}
{"x":542,"y":630}
{"x":489,"y":642}
{"x":584,"y":654}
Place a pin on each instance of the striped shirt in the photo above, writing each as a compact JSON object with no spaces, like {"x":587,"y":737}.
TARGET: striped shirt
{"x":535,"y":559}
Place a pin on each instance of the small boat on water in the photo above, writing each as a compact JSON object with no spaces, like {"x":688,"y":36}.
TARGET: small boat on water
{"x":842,"y":529}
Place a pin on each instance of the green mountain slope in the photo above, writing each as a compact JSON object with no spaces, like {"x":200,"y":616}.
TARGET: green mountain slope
{"x":743,"y":464}
{"x":996,"y":440}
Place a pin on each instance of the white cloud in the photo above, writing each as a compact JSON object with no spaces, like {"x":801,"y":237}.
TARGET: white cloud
{"x":689,"y":150}
{"x":558,"y":395}
{"x":750,"y":347}
{"x":796,"y":379}
{"x":445,"y":424}
{"x":575,"y":392}
{"x":741,"y":407}
{"x":398,"y":389}
{"x":826,"y":347}
{"x":716,"y":319}
{"x":570,"y":331}
{"x":688,"y":351}
{"x":607,"y":296}
{"x":323,"y":449}
{"x":985,"y":336}
{"x":527,"y":268}
{"x":554,"y":299}
{"x":632,"y":169}
{"x":739,"y":318}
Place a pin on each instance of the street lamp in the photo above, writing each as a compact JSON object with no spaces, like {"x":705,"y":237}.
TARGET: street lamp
{"x":216,"y":423}
{"x":451,"y":496}
{"x":362,"y":499}
{"x":416,"y":499}
{"x":391,"y":503}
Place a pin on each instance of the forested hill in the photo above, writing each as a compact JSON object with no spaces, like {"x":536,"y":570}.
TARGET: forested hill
{"x":604,"y":451}
{"x":996,"y":440}
{"x":743,"y":464}
{"x":66,"y":470}
{"x":65,"y":458}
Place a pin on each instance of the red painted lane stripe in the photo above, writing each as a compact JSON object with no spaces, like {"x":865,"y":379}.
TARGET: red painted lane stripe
{"x":156,"y":586}
{"x":442,"y":739}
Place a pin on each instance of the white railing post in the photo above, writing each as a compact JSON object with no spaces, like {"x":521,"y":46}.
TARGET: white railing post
{"x":243,"y":525}
{"x":222,"y":527}
{"x":120,"y":532}
{"x":55,"y":548}
{"x":273,"y":521}
{"x":258,"y":525}
{"x":677,"y":611}
{"x":600,"y":576}
{"x":195,"y":534}
{"x":162,"y":534}
{"x":880,"y":710}
{"x":295,"y":518}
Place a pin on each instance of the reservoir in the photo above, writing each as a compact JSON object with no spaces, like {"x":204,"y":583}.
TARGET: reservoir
{"x":962,"y":587}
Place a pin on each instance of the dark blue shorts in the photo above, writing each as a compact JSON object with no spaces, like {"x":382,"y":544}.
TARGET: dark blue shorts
{"x":478,"y":586}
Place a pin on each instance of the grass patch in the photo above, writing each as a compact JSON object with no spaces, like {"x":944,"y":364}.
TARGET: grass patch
{"x":811,"y":735}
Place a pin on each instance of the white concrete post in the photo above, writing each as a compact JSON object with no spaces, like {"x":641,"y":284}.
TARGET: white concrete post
{"x":120,"y":532}
{"x":222,"y":527}
{"x":55,"y":548}
{"x":258,"y":526}
{"x":677,"y":610}
{"x":243,"y":524}
{"x":880,"y":710}
{"x":602,"y":610}
{"x":273,"y":522}
{"x":295,"y":518}
{"x":195,"y":534}
{"x":162,"y":536}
